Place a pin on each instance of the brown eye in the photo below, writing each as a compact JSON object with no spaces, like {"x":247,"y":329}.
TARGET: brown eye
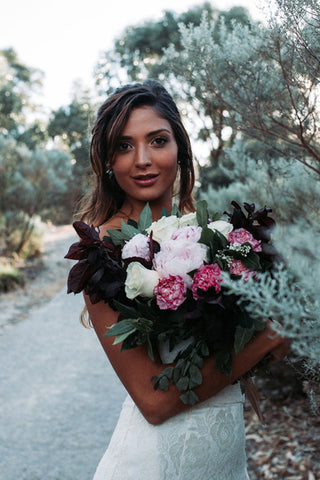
{"x":160,"y":141}
{"x":124,"y":146}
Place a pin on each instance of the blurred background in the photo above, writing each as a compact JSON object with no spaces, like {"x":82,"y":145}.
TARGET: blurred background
{"x":245,"y":76}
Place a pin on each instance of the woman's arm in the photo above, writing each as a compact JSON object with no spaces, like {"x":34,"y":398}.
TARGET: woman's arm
{"x":135,"y":368}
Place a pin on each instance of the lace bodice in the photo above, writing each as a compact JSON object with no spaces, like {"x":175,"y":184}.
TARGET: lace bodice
{"x":206,"y":442}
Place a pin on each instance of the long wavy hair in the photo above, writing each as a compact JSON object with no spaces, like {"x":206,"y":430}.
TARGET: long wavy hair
{"x":106,"y":197}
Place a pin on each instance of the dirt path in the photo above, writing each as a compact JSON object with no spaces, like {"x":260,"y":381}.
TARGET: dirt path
{"x":47,"y":277}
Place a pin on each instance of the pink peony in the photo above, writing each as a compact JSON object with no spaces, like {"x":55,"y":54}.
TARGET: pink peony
{"x":207,"y":276}
{"x":241,"y":235}
{"x":170,"y":292}
{"x":237,"y":268}
{"x":179,"y":258}
{"x":191,"y":233}
{"x":138,"y":246}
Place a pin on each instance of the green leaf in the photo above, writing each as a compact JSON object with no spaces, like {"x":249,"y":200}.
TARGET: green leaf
{"x":189,"y":398}
{"x":175,"y":211}
{"x":116,"y":237}
{"x":259,"y":324}
{"x":122,"y":337}
{"x":204,"y":350}
{"x":224,"y":362}
{"x":120,"y":328}
{"x":251,"y":261}
{"x":182,"y":384}
{"x":128,"y":231}
{"x":145,"y":218}
{"x":164,"y":212}
{"x":125,"y":310}
{"x":195,"y":376}
{"x":164,"y":384}
{"x":242,"y":337}
{"x":202,"y":213}
{"x":245,"y":320}
{"x":150,"y":349}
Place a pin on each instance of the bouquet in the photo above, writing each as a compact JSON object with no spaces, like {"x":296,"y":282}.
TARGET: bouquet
{"x":166,"y":278}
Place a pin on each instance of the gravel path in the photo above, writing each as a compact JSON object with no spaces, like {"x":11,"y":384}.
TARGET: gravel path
{"x":60,"y":398}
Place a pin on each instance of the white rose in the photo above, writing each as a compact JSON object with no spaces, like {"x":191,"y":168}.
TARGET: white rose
{"x":140,"y":281}
{"x":164,"y":228}
{"x":188,"y":220}
{"x":223,"y":227}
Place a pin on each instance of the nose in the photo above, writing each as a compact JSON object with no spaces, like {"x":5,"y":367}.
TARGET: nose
{"x":142,"y":157}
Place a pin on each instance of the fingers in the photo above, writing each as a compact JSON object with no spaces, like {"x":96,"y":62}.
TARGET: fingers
{"x":279,"y":352}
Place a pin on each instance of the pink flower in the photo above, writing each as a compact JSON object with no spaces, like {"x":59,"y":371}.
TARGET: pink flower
{"x":241,"y":235}
{"x":191,"y":233}
{"x":170,"y":292}
{"x":207,"y":276}
{"x":237,"y":268}
{"x":179,"y":258}
{"x":138,"y":246}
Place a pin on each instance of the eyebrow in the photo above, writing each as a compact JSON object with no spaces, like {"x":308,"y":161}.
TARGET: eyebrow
{"x":150,"y":134}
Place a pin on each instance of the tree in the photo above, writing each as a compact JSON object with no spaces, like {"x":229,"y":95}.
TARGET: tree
{"x":137,"y":53}
{"x":17,"y":84}
{"x":256,"y":75}
{"x":33,"y":183}
{"x":70,"y":127}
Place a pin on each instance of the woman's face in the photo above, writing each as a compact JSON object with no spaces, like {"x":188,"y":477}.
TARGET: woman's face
{"x":145,"y":162}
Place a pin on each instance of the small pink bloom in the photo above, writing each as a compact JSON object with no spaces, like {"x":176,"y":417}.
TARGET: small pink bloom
{"x":138,"y":246}
{"x":237,"y":268}
{"x":241,"y":235}
{"x":170,"y":292}
{"x":207,"y":276}
{"x":191,"y":233}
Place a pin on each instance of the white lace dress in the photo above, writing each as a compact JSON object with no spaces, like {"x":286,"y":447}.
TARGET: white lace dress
{"x":206,"y":442}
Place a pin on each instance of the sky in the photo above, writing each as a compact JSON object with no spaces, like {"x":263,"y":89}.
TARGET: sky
{"x":64,"y":38}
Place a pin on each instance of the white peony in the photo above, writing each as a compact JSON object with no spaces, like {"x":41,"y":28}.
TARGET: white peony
{"x":179,"y":257}
{"x":138,"y":246}
{"x":140,"y":281}
{"x":163,"y":228}
{"x":223,"y":227}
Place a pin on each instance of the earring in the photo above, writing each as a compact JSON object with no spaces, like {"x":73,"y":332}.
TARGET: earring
{"x":109,"y":173}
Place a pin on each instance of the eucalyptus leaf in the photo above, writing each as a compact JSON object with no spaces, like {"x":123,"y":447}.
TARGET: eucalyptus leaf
{"x":182,"y":384}
{"x":128,"y":231}
{"x":202,"y":213}
{"x":189,"y":398}
{"x":145,"y":219}
{"x":119,"y":328}
{"x":175,"y":211}
{"x":242,"y":337}
{"x":224,"y":362}
{"x":164,"y":212}
{"x":251,"y":261}
{"x":164,"y":384}
{"x":195,"y":375}
{"x":150,"y":349}
{"x":122,"y":337}
{"x":116,"y":237}
{"x":125,"y":310}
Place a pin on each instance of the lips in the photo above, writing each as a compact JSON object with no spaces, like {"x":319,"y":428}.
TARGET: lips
{"x":146,"y":180}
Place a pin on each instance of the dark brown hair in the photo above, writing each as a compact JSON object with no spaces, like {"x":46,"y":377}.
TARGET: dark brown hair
{"x":106,"y":197}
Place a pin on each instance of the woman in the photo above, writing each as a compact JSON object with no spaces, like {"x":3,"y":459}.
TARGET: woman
{"x":139,"y":151}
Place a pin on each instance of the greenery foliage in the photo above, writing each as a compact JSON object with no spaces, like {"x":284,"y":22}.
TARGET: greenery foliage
{"x":10,"y":278}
